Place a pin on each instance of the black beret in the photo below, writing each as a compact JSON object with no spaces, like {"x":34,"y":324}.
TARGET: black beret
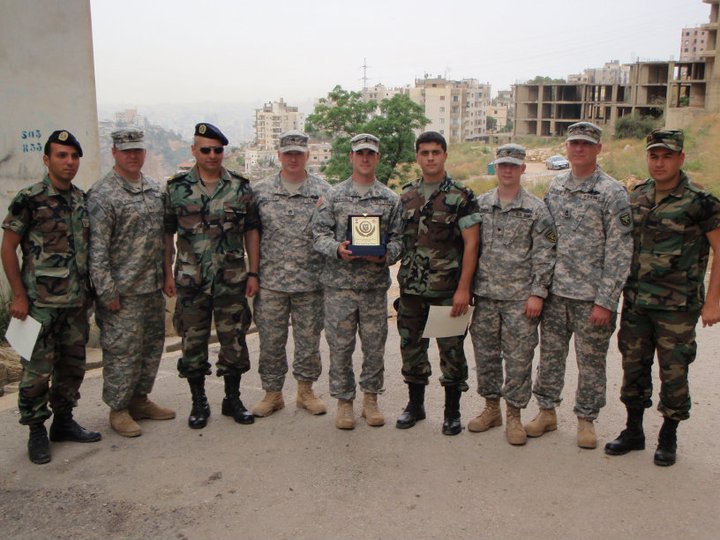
{"x":209,"y":131}
{"x":64,"y":137}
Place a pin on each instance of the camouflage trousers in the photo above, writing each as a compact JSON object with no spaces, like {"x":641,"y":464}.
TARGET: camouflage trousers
{"x":132,"y":342}
{"x":59,"y":355}
{"x":273,"y":311}
{"x":412,"y":315}
{"x":672,"y":334}
{"x":346,"y":312}
{"x":501,"y":332}
{"x":561,"y":318}
{"x":194,"y":312}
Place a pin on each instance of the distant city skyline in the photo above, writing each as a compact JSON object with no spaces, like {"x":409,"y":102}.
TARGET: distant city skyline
{"x":182,"y":51}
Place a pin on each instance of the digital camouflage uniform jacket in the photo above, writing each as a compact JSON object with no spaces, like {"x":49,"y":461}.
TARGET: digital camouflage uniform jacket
{"x":126,"y":241}
{"x":518,"y":248}
{"x":210,"y":229}
{"x":433,"y":245}
{"x":55,"y":232}
{"x":671,"y":250}
{"x":330,"y":227}
{"x":594,"y":247}
{"x":288,"y":262}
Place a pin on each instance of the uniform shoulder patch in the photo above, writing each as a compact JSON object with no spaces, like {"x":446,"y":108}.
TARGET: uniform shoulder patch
{"x":626,"y":219}
{"x":551,"y":236}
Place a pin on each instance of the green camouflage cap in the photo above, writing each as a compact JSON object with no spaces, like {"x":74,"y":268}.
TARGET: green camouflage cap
{"x":510,"y":153}
{"x":584,"y":131}
{"x":128,"y":139}
{"x":293,"y":141}
{"x":365,"y":140}
{"x":672,"y":139}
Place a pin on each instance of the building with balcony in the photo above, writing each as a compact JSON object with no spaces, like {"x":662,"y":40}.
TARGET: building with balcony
{"x":273,"y":119}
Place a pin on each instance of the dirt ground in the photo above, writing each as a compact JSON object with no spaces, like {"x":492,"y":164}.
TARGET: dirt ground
{"x":293,"y":475}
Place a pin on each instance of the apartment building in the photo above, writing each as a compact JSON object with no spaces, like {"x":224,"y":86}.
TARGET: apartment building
{"x":693,"y":42}
{"x":456,"y":109}
{"x":273,"y":119}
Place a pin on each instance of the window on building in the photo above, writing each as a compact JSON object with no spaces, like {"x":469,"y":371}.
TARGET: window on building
{"x":442,"y":98}
{"x":442,"y":109}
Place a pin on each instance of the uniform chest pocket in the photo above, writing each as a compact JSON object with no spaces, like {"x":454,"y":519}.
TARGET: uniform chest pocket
{"x":189,"y":218}
{"x":667,"y":237}
{"x":517,"y":230}
{"x":54,"y":229}
{"x":442,"y":226}
{"x":233,"y":226}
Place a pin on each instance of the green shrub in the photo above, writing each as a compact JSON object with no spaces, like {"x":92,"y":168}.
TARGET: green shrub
{"x":636,"y":127}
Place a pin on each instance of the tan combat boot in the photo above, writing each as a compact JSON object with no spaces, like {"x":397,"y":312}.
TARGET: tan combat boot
{"x":273,"y":401}
{"x":371,"y":412}
{"x":586,"y":434}
{"x":488,"y":418}
{"x":514,"y":431}
{"x":141,"y":408}
{"x":546,"y":420}
{"x":345,"y":418}
{"x":123,"y":424}
{"x":306,"y":399}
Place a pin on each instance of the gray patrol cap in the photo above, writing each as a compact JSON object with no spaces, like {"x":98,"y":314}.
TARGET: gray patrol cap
{"x":365,"y":140}
{"x":584,"y":131}
{"x":510,"y":153}
{"x":293,"y":141}
{"x":128,"y":139}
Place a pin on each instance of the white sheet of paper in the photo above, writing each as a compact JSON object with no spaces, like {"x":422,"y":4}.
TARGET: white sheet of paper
{"x":441,"y":324}
{"x":22,"y":335}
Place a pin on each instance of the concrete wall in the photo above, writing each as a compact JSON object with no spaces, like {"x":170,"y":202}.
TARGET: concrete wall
{"x":47,"y":82}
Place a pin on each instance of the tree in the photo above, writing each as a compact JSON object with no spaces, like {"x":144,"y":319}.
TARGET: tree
{"x":540,"y":79}
{"x":491,"y":123}
{"x":344,"y":114}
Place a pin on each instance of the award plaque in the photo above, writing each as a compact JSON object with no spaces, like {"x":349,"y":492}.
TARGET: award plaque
{"x":366,"y":238}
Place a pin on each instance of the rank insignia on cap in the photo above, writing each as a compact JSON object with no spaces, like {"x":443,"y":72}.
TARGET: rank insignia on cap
{"x":63,"y":136}
{"x":625,"y":219}
{"x":551,"y":236}
{"x":202,"y":128}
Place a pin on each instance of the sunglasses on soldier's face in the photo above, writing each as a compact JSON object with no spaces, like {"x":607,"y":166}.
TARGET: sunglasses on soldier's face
{"x":207,"y":149}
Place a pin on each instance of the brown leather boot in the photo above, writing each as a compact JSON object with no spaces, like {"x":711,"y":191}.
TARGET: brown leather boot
{"x":546,"y":420}
{"x":490,"y":416}
{"x":371,"y":413}
{"x":306,"y":399}
{"x":123,"y":424}
{"x":514,"y":431}
{"x":345,"y":418}
{"x":273,"y":401}
{"x":141,"y":408}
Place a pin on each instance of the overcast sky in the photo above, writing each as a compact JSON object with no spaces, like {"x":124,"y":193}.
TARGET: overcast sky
{"x":185,"y":51}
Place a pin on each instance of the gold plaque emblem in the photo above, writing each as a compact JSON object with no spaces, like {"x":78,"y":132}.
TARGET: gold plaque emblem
{"x":63,"y":136}
{"x":365,"y":230}
{"x":202,"y":129}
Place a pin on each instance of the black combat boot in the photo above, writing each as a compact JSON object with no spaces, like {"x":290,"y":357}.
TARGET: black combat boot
{"x":38,"y":444}
{"x":232,"y":405}
{"x":451,"y":425}
{"x":65,"y":428}
{"x":200,"y":407}
{"x":415,"y":409}
{"x":631,"y":438}
{"x":667,"y":443}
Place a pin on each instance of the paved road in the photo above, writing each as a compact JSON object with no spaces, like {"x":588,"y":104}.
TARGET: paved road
{"x":296,"y":476}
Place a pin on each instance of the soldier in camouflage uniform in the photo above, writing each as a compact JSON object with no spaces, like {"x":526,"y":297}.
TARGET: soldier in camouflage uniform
{"x":356,"y":286}
{"x":594,"y":248}
{"x":126,"y":267}
{"x":290,"y":286}
{"x":213,"y":212}
{"x":49,"y":222}
{"x":676,"y":223}
{"x":440,"y":253}
{"x":512,"y":281}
